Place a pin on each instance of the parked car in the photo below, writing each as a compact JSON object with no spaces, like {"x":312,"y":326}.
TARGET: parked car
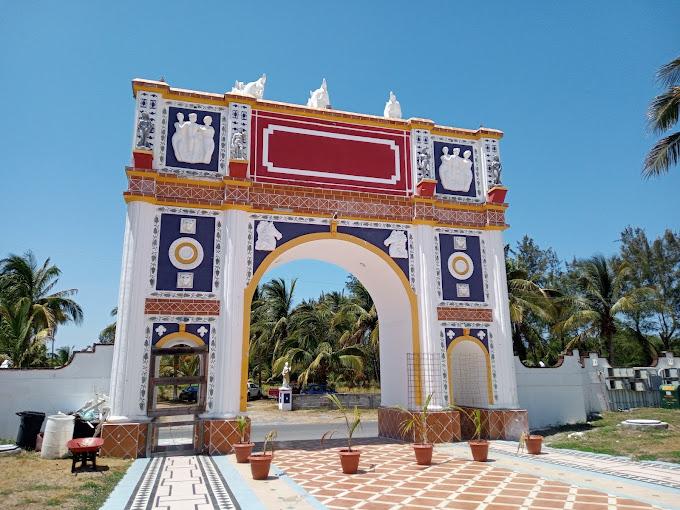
{"x":317,"y":389}
{"x":189,"y":394}
{"x":253,"y":391}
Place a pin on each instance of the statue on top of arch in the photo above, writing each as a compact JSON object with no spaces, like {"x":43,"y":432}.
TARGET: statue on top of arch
{"x":254,"y":88}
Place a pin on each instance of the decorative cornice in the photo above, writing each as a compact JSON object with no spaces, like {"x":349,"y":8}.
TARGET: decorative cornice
{"x":450,"y":313}
{"x":182,"y":306}
{"x":228,"y":193}
{"x":177,"y":94}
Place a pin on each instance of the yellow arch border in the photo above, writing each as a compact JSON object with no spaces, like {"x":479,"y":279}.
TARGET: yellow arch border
{"x":182,"y":335}
{"x":307,"y":238}
{"x":449,"y":349}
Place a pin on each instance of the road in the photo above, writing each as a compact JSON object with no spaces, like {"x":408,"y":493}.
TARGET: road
{"x":296,"y":431}
{"x":285,"y":431}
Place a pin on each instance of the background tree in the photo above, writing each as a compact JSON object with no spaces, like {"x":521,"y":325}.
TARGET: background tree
{"x":108,"y":334}
{"x":663,"y":116}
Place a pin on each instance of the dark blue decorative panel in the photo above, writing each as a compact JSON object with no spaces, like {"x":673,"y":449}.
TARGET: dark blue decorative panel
{"x":462,"y":271}
{"x":480,"y":334}
{"x":456,"y":166}
{"x":194,"y":136}
{"x":377,"y":237}
{"x":288,"y":231}
{"x":195,"y":333}
{"x":185,"y":253}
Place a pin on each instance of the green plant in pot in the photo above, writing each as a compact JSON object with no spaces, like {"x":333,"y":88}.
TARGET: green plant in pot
{"x":532,"y":442}
{"x":349,"y":458}
{"x":261,"y":462}
{"x":242,"y":449}
{"x":416,"y":423}
{"x":478,"y":446}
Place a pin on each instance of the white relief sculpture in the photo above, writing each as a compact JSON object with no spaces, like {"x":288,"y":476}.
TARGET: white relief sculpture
{"x":397,"y":244}
{"x":455,"y":173}
{"x":319,"y":98}
{"x":495,"y":169}
{"x":192,"y":142}
{"x":267,"y":235}
{"x":237,"y":145}
{"x":253,"y":89}
{"x":392,"y":107}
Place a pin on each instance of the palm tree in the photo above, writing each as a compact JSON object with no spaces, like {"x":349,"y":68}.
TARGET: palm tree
{"x":663,"y":115}
{"x":108,"y":334}
{"x":603,"y":296}
{"x":22,"y":336}
{"x":22,"y":278}
{"x":63,"y":355}
{"x":527,"y":300}
{"x":313,"y":348}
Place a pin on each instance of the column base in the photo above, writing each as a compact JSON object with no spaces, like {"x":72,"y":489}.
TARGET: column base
{"x":443,"y":426}
{"x":124,"y":440}
{"x":505,"y":424}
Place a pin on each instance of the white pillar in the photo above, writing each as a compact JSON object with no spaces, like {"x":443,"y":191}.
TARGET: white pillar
{"x":228,"y":385}
{"x":427,"y":305}
{"x":503,"y":361}
{"x":129,"y":352}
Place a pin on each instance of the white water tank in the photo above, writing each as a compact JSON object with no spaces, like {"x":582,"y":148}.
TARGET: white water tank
{"x":58,"y":431}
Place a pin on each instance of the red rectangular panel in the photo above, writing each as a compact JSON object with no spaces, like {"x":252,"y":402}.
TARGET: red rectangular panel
{"x":311,"y":152}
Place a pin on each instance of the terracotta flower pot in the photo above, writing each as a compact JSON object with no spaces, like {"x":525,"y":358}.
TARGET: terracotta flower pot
{"x":423,"y":453}
{"x":243,"y":451}
{"x":534,"y":443}
{"x":480,"y":450}
{"x":349,"y":461}
{"x":259,"y":465}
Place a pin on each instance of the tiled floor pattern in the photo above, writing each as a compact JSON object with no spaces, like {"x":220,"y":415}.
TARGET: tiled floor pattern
{"x":389,"y":479}
{"x":658,"y":473}
{"x":181,"y":483}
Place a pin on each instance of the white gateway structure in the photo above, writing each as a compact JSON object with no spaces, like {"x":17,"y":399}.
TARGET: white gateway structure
{"x":225,"y":186}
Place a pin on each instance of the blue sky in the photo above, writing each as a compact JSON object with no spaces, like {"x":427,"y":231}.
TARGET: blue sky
{"x":568,"y":82}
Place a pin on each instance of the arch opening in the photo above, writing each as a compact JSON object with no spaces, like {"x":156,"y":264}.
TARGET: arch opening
{"x":470,"y":371}
{"x":389,"y":288}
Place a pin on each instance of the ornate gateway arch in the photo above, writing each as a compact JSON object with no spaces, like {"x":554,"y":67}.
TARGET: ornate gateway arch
{"x":224,"y":186}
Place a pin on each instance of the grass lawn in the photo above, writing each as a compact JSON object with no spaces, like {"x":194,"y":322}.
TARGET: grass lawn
{"x":31,"y":483}
{"x":603,"y":436}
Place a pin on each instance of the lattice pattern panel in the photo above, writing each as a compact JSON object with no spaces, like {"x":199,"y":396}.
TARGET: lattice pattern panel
{"x":182,"y":306}
{"x":425,"y":376}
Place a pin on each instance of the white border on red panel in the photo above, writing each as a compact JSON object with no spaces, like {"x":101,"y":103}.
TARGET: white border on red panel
{"x":271,"y":128}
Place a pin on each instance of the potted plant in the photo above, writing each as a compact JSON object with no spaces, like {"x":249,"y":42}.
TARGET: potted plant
{"x":260,"y":462}
{"x":416,"y":422}
{"x":532,"y":442}
{"x":242,"y":449}
{"x":349,"y":458}
{"x":478,"y":446}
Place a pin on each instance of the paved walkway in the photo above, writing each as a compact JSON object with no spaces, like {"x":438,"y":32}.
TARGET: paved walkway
{"x":307,"y":477}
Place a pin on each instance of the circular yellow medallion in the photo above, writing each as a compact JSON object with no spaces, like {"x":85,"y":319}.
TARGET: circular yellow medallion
{"x":186,"y":253}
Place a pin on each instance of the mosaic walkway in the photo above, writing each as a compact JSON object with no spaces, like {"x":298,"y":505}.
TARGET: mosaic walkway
{"x":389,"y":479}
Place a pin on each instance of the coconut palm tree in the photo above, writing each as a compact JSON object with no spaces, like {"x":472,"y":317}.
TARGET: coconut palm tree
{"x":526,"y":298}
{"x":663,"y":114}
{"x":22,"y":336}
{"x":603,"y":296}
{"x":313,"y":348}
{"x":108,"y":334}
{"x":63,"y":355}
{"x":22,"y":277}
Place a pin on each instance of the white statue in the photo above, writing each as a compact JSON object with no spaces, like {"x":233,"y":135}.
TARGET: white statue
{"x":267,"y":235}
{"x":238,"y":145}
{"x":253,"y":89}
{"x":397,"y":244}
{"x":455,"y":173}
{"x":392,"y":107}
{"x":193,"y":143}
{"x":285,"y":373}
{"x":319,"y":98}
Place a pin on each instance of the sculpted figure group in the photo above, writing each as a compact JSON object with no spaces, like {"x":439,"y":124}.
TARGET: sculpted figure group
{"x":193,"y":142}
{"x":455,"y":173}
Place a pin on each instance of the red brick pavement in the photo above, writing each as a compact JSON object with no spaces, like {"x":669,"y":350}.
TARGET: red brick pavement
{"x":389,"y":478}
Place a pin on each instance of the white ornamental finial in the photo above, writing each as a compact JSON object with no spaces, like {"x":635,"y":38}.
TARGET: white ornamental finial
{"x":392,"y":107}
{"x":253,"y":89}
{"x":319,"y":98}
